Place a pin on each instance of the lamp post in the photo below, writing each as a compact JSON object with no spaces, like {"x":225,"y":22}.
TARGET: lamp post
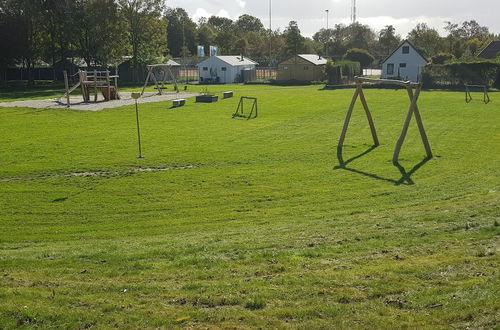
{"x":135,"y":96}
{"x":326,"y":44}
{"x":270,"y":34}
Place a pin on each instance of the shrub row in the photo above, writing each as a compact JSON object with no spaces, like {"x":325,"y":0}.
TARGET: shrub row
{"x":340,"y":71}
{"x":460,"y":73}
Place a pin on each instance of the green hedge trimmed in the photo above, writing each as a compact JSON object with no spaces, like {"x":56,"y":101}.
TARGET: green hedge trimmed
{"x":460,"y":73}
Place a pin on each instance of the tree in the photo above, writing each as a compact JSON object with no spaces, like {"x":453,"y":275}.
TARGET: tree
{"x":294,"y":40}
{"x":220,"y":23}
{"x":426,"y":39}
{"x":181,"y":31}
{"x":248,"y":23}
{"x":100,"y":33}
{"x":359,"y":55}
{"x":465,"y":39}
{"x":388,"y":40}
{"x":146,"y":30}
{"x":206,"y":35}
{"x":24,"y":23}
{"x":360,"y":36}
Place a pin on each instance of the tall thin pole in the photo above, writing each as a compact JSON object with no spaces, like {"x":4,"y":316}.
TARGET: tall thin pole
{"x":326,"y":45}
{"x":138,"y":130}
{"x":270,"y":32}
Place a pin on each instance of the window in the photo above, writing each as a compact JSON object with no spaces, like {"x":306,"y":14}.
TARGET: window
{"x":390,"y":68}
{"x":306,"y":68}
{"x":205,"y":68}
{"x":406,"y":49}
{"x":402,"y":65}
{"x":223,"y":68}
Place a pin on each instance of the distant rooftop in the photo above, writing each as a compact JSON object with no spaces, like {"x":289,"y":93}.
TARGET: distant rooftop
{"x":491,"y":51}
{"x":312,"y":58}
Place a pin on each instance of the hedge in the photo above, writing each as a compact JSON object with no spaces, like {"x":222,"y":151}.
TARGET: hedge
{"x":460,"y":73}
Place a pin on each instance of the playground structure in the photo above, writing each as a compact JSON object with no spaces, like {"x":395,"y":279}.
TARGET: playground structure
{"x":413,"y":90}
{"x":165,"y":70}
{"x":93,"y":81}
{"x":484,"y":88}
{"x":240,"y":110}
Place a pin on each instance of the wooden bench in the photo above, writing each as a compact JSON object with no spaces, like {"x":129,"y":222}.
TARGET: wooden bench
{"x":227,"y":94}
{"x":178,"y":102}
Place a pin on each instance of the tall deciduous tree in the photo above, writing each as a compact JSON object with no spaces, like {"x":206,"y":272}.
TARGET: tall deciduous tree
{"x":388,"y":40}
{"x":181,"y":32}
{"x":146,"y":29}
{"x":294,"y":40}
{"x":100,"y":32}
{"x":426,"y":39}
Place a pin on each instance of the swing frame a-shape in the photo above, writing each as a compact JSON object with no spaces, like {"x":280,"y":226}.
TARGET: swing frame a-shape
{"x":151,"y":76}
{"x":413,"y":90}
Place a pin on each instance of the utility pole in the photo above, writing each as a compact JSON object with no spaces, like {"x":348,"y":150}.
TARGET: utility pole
{"x":270,"y":34}
{"x":353,"y":11}
{"x":327,"y":33}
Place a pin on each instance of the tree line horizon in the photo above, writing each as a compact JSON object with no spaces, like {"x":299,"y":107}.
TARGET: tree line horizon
{"x":102,"y":32}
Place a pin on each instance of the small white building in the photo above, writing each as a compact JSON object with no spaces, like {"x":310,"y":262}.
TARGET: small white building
{"x":405,"y":63}
{"x":226,"y":69}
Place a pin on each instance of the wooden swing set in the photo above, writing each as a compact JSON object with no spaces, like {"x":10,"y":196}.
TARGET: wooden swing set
{"x":413,"y":90}
{"x":160,"y":83}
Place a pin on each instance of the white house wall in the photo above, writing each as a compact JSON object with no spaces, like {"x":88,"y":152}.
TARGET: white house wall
{"x":226,"y":77}
{"x":414,"y":64}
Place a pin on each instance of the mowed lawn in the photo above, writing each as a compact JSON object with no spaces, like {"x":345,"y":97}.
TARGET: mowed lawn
{"x":228,"y":223}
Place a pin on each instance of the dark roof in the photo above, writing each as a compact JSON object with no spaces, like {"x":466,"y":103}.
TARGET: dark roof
{"x":400,"y":45}
{"x":491,"y":50}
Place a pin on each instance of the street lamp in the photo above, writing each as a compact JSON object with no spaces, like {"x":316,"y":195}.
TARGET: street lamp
{"x":135,"y":96}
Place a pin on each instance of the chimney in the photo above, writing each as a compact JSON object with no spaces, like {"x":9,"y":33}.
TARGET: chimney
{"x":241,"y":57}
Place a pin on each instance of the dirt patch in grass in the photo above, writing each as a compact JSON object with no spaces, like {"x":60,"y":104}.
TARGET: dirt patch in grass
{"x":100,"y":173}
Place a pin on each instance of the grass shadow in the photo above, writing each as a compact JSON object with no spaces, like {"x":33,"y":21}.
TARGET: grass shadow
{"x":405,"y":175}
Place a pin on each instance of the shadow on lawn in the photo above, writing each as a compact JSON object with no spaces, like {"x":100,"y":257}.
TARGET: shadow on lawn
{"x":405,"y":175}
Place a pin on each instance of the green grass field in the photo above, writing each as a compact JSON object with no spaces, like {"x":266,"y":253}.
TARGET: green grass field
{"x":228,"y":223}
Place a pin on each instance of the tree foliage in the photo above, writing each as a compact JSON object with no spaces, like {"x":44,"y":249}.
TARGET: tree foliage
{"x":359,"y":55}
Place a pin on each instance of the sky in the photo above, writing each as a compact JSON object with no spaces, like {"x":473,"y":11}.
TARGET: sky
{"x":311,"y":14}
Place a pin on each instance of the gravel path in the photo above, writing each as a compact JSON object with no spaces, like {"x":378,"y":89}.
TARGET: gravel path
{"x":78,"y":104}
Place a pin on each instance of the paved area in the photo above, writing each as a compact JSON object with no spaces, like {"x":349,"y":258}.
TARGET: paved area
{"x":78,"y":104}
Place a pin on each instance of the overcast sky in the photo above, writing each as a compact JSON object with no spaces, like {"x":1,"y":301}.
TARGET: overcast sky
{"x":311,"y":15}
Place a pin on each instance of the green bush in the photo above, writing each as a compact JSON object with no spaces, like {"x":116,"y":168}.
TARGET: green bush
{"x":442,"y":58}
{"x":359,"y":55}
{"x":350,"y":69}
{"x":333,"y":73}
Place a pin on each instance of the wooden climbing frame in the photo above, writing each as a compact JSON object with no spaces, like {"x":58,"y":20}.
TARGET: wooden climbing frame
{"x":413,"y":90}
{"x":484,"y":88}
{"x":240,"y":111}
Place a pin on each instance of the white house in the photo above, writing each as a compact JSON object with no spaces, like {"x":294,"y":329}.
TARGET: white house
{"x":405,"y":63}
{"x":226,"y":69}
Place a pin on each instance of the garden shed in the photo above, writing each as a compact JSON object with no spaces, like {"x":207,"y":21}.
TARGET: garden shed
{"x":226,"y":69}
{"x":302,"y":67}
{"x":404,"y":63}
